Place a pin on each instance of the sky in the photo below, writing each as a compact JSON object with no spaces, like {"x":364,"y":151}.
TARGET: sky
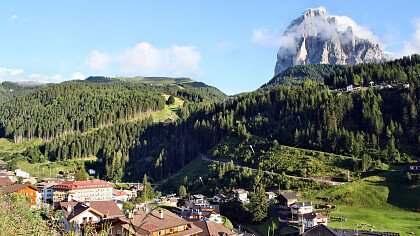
{"x":228,"y":44}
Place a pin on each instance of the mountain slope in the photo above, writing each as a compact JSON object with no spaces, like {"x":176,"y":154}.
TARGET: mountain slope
{"x":297,"y":74}
{"x":317,"y":38}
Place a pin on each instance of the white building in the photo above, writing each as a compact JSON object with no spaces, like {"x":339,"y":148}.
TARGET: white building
{"x":270,"y":196}
{"x":312,"y":219}
{"x":21,"y":173}
{"x":241,"y":195}
{"x":300,"y":208}
{"x":46,"y":190}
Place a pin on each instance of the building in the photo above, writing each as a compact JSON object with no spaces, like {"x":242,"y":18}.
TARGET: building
{"x":270,"y":196}
{"x":312,"y":219}
{"x":414,"y":167}
{"x":89,"y":190}
{"x":78,"y":214}
{"x":211,"y":228}
{"x":220,"y":198}
{"x":287,"y":199}
{"x":24,"y":190}
{"x":241,"y":195}
{"x":21,"y":173}
{"x":4,"y":181}
{"x":299,"y":208}
{"x":121,"y":195}
{"x":8,"y":174}
{"x":349,"y":88}
{"x":157,"y":223}
{"x":46,"y":190}
{"x":327,"y":231}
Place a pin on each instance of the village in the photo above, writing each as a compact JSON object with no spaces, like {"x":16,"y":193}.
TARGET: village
{"x":78,"y":205}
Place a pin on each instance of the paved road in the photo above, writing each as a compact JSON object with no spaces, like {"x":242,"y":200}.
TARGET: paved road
{"x":318,"y":179}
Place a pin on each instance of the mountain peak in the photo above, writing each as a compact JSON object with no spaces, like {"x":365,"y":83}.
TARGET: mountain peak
{"x":318,"y":38}
{"x":314,"y":12}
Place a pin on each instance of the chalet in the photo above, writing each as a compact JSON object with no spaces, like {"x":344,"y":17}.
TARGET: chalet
{"x":211,"y":228}
{"x":219,"y":198}
{"x":287,"y":199}
{"x":89,"y":190}
{"x":24,"y":190}
{"x":241,"y":195}
{"x":156,"y":223}
{"x":312,"y":219}
{"x":270,"y":196}
{"x":208,"y":214}
{"x":78,"y":214}
{"x":299,"y":208}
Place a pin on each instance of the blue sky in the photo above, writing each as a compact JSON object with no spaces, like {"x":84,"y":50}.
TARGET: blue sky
{"x":210,"y":41}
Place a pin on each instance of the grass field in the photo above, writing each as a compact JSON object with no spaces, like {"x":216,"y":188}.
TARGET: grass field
{"x":375,"y":203}
{"x":51,"y":169}
{"x":8,"y":147}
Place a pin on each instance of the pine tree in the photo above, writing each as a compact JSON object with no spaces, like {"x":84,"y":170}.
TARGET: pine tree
{"x":259,"y":205}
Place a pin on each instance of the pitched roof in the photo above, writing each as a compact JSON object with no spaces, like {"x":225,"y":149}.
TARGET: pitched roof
{"x":151,"y":221}
{"x":301,"y":204}
{"x":88,"y":184}
{"x":211,"y":228}
{"x":313,"y":215}
{"x":108,"y":209}
{"x":15,"y":187}
{"x":290,"y":195}
{"x":5,"y":181}
{"x":320,"y":230}
{"x":120,"y":193}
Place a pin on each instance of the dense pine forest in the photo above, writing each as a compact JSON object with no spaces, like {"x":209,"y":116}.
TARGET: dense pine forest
{"x":371,"y":125}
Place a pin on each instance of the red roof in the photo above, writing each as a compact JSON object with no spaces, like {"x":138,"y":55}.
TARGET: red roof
{"x":5,"y":181}
{"x":88,"y":184}
{"x":120,"y":193}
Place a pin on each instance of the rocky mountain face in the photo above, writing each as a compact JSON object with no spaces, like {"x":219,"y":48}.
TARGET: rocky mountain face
{"x":316,"y":38}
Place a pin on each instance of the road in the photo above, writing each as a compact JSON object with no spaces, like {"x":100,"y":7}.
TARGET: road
{"x":317,"y":179}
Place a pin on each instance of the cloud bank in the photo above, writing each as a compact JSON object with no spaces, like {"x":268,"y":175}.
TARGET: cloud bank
{"x":147,"y":60}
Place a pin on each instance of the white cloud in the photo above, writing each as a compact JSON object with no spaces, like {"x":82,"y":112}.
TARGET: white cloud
{"x":14,"y":17}
{"x":10,"y":71}
{"x":78,"y":76}
{"x":145,"y":59}
{"x":266,"y":38}
{"x":41,"y":78}
{"x":413,"y":46}
{"x":361,"y":31}
{"x":98,"y":61}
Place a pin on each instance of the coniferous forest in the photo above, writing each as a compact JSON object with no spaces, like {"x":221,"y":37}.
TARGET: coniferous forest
{"x":96,"y":117}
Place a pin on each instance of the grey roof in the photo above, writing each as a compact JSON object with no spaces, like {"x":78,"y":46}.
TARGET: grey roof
{"x":290,"y":195}
{"x":320,"y":230}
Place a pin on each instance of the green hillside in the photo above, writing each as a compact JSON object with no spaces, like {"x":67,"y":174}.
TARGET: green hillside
{"x":297,"y":74}
{"x":377,"y":202}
